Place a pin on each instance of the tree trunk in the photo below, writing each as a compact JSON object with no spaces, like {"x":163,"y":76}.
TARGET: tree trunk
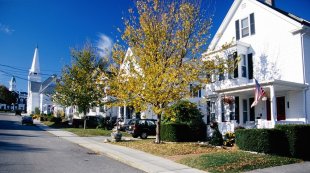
{"x":84,"y":120}
{"x":84,"y":123}
{"x":158,"y":138}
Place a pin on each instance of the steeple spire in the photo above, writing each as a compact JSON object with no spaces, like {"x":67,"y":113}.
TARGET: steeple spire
{"x":35,"y":67}
{"x":34,"y":72}
{"x":13,"y":84}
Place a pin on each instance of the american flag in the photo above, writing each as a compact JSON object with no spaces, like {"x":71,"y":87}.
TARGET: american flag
{"x":259,"y":92}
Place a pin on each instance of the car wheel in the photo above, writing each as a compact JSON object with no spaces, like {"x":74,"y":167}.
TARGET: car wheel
{"x":143,"y":135}
{"x":134,"y":136}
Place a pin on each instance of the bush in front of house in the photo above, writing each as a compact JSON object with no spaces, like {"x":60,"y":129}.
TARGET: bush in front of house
{"x":217,"y":138}
{"x":177,"y":132}
{"x":297,"y":139}
{"x":174,"y":132}
{"x":106,"y":123}
{"x":271,"y":141}
{"x":18,"y":112}
{"x":183,"y":122}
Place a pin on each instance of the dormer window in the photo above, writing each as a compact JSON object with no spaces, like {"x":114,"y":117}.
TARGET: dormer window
{"x":246,"y":27}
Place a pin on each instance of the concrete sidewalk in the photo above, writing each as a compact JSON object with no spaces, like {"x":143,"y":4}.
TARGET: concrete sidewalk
{"x":303,"y":167}
{"x":132,"y":157}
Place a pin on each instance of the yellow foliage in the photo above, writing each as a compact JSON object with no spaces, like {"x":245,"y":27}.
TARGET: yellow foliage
{"x":167,"y":39}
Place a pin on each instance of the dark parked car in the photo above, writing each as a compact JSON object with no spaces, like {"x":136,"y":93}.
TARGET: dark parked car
{"x":142,"y":128}
{"x":27,"y":120}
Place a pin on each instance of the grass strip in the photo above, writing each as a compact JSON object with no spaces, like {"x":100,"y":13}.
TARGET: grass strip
{"x":235,"y":161}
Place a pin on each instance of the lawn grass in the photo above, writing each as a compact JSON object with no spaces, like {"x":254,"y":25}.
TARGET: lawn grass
{"x":209,"y":158}
{"x":167,"y":149}
{"x":81,"y":131}
{"x":235,"y":161}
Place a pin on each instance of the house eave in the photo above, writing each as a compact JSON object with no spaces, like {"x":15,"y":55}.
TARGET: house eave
{"x":250,"y":86}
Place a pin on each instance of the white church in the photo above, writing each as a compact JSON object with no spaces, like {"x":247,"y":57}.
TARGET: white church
{"x":39,"y":93}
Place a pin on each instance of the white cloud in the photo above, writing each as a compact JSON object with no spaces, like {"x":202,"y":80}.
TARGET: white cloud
{"x":6,"y":29}
{"x":104,"y":45}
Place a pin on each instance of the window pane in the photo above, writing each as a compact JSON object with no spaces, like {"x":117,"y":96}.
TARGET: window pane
{"x":245,"y":27}
{"x":245,"y":32}
{"x":243,"y":71}
{"x":244,"y":23}
{"x":245,"y":111}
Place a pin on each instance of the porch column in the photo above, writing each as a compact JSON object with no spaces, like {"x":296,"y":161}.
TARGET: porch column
{"x":119,"y":112}
{"x":125,"y":112}
{"x":273,"y":104}
{"x":218,"y":112}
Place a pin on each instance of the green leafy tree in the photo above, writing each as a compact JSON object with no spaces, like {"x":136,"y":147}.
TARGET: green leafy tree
{"x":7,"y":96}
{"x":77,"y":85}
{"x":184,"y":111}
{"x":167,"y":39}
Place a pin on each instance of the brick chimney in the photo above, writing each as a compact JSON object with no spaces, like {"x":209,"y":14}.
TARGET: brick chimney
{"x":269,"y":2}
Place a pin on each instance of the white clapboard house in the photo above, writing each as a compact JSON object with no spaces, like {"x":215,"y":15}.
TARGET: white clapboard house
{"x":273,"y":47}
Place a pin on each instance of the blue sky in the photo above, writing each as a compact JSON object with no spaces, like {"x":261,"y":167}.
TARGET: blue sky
{"x":58,"y":25}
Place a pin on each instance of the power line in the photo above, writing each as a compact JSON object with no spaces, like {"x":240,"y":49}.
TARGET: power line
{"x":10,"y":74}
{"x":16,"y":68}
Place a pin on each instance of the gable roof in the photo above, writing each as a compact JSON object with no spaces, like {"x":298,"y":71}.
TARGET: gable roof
{"x":290,"y":15}
{"x":48,"y":85}
{"x":233,"y":10}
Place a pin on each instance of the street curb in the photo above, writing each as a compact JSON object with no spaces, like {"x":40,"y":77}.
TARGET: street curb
{"x":142,"y":161}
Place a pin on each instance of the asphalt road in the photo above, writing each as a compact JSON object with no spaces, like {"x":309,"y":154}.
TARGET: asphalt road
{"x":28,"y":149}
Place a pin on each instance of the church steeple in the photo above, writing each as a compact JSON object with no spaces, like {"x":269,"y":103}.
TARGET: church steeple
{"x":34,"y":72}
{"x":35,"y":67}
{"x":13,"y":84}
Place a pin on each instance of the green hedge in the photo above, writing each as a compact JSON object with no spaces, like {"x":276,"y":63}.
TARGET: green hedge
{"x":262,"y":140}
{"x":289,"y":140}
{"x":298,"y":139}
{"x":175,"y":132}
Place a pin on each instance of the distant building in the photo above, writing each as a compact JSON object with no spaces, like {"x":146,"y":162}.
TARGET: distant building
{"x":21,"y":99}
{"x":12,"y":84}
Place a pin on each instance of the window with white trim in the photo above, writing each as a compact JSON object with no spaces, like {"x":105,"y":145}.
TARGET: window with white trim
{"x":243,"y":66}
{"x":245,"y":27}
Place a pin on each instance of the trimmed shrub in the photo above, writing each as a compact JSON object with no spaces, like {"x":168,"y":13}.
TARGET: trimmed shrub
{"x":271,"y":141}
{"x":77,"y":123}
{"x":183,"y":112}
{"x":18,"y":112}
{"x":36,"y":111}
{"x":56,"y":120}
{"x":297,"y":139}
{"x":217,"y":138}
{"x":176,"y":132}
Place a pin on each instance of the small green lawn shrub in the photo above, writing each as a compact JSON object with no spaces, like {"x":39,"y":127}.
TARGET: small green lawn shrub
{"x":183,"y":122}
{"x":18,"y":112}
{"x":262,"y":140}
{"x":297,"y":139}
{"x":174,"y":132}
{"x":177,"y":132}
{"x":217,"y":138}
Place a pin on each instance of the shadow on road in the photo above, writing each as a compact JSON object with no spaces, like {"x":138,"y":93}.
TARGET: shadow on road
{"x":16,"y":125}
{"x":9,"y":146}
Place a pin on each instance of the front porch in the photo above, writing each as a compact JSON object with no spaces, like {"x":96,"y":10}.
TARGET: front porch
{"x":283,"y":103}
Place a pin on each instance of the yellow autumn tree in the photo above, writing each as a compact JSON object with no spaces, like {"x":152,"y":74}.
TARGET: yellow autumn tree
{"x":166,"y":39}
